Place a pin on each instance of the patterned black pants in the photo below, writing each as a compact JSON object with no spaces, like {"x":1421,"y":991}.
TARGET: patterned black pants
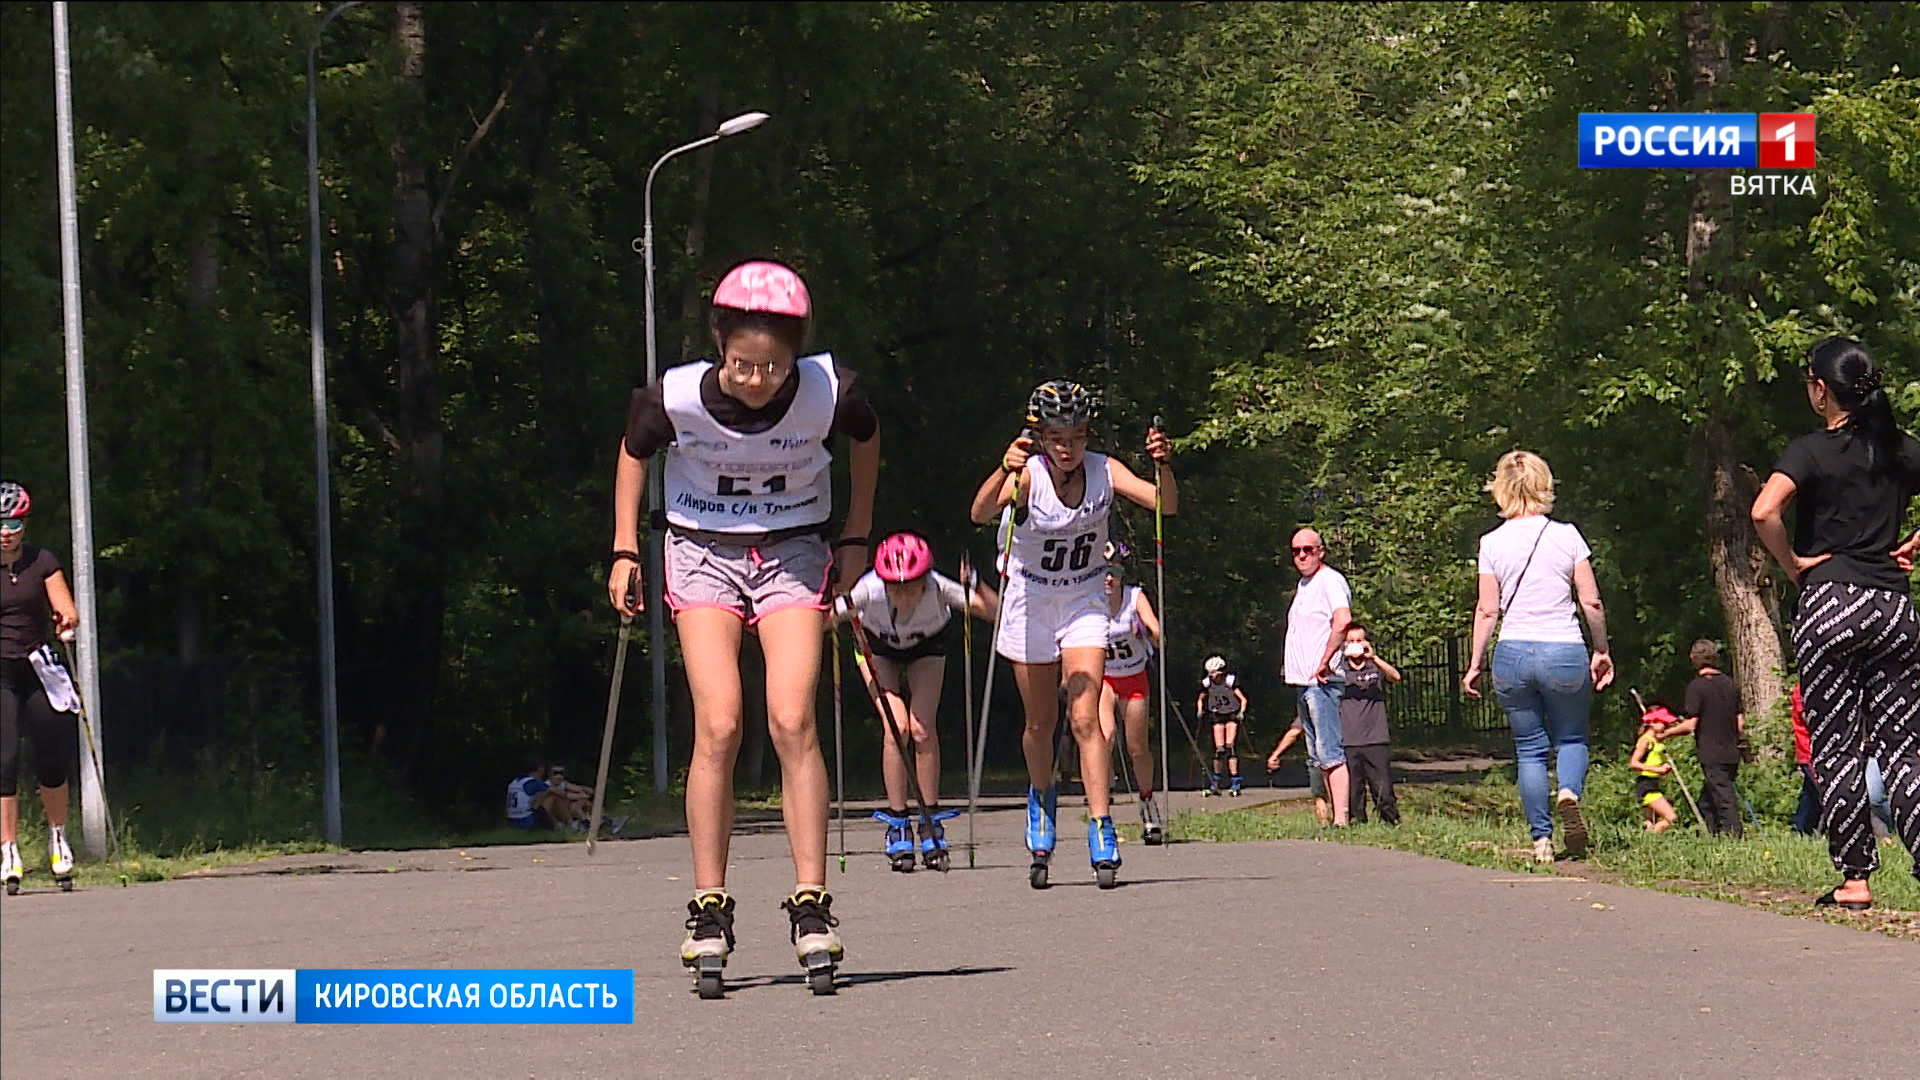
{"x":1859,"y":654}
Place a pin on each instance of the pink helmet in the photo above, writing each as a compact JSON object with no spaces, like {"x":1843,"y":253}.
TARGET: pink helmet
{"x":766,"y":287}
{"x":902,"y":557}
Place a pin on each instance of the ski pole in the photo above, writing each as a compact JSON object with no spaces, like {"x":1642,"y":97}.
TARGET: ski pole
{"x":993,"y":645}
{"x":613,"y":706}
{"x":839,"y":747}
{"x":862,"y":659}
{"x":1160,"y":608}
{"x":86,"y":729}
{"x":968,"y":578}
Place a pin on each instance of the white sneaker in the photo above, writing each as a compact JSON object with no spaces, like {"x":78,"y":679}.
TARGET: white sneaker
{"x":11,"y":869}
{"x":1543,"y":851}
{"x":59,"y":855}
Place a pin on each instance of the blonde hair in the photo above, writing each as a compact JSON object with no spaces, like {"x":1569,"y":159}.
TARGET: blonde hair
{"x":1522,"y":484}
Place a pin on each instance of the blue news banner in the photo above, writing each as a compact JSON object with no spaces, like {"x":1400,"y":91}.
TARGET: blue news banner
{"x":1670,"y":140}
{"x":420,"y":996}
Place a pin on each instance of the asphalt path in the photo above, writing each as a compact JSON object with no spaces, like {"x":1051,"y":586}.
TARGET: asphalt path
{"x":1262,"y":959}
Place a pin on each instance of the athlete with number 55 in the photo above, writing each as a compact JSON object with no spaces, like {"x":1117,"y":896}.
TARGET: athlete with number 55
{"x":1053,"y":624}
{"x":748,"y":500}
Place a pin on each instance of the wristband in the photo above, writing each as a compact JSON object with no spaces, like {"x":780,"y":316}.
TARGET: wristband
{"x":618,"y":555}
{"x":852,"y":541}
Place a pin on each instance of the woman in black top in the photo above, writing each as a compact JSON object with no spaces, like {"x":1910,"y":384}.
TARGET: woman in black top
{"x":31,"y":588}
{"x":1857,"y":633}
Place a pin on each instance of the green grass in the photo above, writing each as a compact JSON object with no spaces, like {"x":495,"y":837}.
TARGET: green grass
{"x":1481,"y":825}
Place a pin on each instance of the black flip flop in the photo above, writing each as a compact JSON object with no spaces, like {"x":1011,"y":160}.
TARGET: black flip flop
{"x":1827,"y":900}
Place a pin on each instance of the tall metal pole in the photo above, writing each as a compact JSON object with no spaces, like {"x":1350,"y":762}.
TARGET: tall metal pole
{"x":322,"y":459}
{"x":93,"y":804}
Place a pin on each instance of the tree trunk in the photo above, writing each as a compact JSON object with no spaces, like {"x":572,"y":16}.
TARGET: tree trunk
{"x":1733,"y":549}
{"x":418,"y":424}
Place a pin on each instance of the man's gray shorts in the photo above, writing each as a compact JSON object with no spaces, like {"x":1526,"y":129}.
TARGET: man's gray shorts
{"x":752,"y":581}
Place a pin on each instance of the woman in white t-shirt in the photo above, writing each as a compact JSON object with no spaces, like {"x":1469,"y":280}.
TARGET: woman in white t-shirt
{"x":1531,"y":569}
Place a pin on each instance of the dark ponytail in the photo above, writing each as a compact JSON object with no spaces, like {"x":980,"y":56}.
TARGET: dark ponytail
{"x":1854,"y":380}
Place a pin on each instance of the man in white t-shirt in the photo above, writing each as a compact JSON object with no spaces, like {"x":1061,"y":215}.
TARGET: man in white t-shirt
{"x":1316,"y":629}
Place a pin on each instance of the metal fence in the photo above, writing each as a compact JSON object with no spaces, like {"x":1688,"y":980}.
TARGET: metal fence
{"x":1428,"y":701}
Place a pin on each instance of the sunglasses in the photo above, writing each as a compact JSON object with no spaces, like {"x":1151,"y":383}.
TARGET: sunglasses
{"x":1308,"y":550}
{"x":12,"y":526}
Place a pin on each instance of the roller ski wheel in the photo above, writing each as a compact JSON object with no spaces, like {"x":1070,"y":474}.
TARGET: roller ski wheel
{"x":1037,"y":873}
{"x":60,"y":858}
{"x":1151,"y":832}
{"x":814,"y":940}
{"x":1103,"y":850}
{"x":900,"y":852}
{"x":709,"y":940}
{"x":11,"y":869}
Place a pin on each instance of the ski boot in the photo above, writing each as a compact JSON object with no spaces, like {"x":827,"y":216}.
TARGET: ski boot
{"x":60,"y":857}
{"x":1235,"y":789}
{"x":933,"y":840}
{"x":709,"y":940}
{"x":1040,"y":815}
{"x":1213,"y":785}
{"x":899,"y":839}
{"x":1152,"y":833}
{"x":813,"y":938}
{"x":11,"y":869}
{"x":1103,"y":848}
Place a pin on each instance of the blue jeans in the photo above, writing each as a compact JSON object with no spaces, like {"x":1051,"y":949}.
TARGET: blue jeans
{"x":1546,"y":691}
{"x":1319,"y":706}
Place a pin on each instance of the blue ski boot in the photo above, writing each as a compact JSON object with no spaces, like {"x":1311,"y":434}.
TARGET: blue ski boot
{"x":1040,"y":814}
{"x":933,"y":840}
{"x":1235,"y":790}
{"x":899,"y":839}
{"x":1103,"y":848}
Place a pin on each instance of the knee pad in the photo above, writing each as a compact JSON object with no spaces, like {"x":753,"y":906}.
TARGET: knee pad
{"x":1220,"y":756}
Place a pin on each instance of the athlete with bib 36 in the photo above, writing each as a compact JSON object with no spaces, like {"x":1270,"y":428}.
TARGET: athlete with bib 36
{"x":748,"y":500}
{"x":1053,"y":621}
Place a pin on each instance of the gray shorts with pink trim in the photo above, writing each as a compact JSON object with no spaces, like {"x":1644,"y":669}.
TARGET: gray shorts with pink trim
{"x":749,"y":580}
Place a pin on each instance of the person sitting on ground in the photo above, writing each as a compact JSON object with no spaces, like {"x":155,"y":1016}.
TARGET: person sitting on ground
{"x":1713,"y":715}
{"x":526,"y":805}
{"x":1316,"y":779}
{"x":1363,"y":728}
{"x":571,"y":804}
{"x":1649,"y":760}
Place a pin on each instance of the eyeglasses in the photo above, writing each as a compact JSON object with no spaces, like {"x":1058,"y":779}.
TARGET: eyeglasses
{"x":774,"y":370}
{"x":1308,"y":550}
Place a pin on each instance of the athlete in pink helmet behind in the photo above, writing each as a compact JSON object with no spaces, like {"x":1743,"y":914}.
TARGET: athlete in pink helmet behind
{"x":906,"y":608}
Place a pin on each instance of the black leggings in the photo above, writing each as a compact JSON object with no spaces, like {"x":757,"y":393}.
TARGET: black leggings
{"x":23,"y":699}
{"x":1859,"y":653}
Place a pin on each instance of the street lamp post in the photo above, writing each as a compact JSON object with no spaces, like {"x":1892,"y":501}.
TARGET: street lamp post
{"x":322,"y":486}
{"x":656,"y":539}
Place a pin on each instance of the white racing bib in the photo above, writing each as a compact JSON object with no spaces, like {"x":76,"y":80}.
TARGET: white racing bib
{"x":1220,"y":699}
{"x":720,"y":480}
{"x":1128,"y":648}
{"x":1061,"y":549}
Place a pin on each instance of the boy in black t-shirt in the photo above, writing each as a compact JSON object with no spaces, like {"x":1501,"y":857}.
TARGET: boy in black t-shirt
{"x":1718,"y":723}
{"x":1363,"y":728}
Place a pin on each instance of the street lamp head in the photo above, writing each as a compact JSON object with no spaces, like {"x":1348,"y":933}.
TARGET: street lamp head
{"x":742,"y":123}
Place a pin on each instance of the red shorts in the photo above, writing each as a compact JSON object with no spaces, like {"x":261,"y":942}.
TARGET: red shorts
{"x":1129,"y":687}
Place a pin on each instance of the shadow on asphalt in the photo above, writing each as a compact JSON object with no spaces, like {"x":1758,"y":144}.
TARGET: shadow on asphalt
{"x":859,"y":978}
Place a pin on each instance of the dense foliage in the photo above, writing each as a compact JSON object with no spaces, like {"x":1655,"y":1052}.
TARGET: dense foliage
{"x":1345,"y":250}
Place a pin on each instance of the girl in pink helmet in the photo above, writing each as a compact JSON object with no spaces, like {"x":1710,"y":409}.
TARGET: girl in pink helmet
{"x":906,"y":608}
{"x":748,"y":515}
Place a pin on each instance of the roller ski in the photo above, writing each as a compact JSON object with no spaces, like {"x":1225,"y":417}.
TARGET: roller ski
{"x":709,"y":940}
{"x":933,"y":840}
{"x":899,"y":840}
{"x":1152,"y":833}
{"x":813,"y":937}
{"x":1213,"y":786}
{"x":60,"y":857}
{"x":1040,"y":834}
{"x":11,"y":869}
{"x":1103,"y":849}
{"x":1234,"y":789}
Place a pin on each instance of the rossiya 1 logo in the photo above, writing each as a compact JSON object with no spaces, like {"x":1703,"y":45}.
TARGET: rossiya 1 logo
{"x":1747,"y":141}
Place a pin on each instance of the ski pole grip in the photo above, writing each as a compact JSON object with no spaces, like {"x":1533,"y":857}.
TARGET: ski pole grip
{"x":633,"y":587}
{"x":1159,"y":423}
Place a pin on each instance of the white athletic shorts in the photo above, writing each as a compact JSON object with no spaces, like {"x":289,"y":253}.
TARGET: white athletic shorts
{"x":1035,"y":625}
